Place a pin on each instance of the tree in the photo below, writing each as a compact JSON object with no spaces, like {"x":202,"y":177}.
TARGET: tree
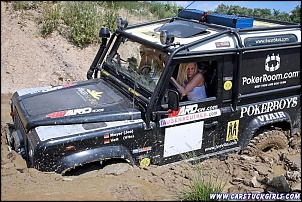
{"x":295,"y":15}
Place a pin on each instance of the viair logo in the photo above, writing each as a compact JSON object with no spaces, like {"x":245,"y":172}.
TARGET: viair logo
{"x":272,"y":63}
{"x":271,"y":116}
{"x":269,"y":107}
{"x":94,"y":93}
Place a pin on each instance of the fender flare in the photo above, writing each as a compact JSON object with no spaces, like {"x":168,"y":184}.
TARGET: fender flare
{"x":256,"y":124}
{"x":92,"y":155}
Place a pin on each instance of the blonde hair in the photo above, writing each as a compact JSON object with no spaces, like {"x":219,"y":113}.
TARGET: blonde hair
{"x":182,"y":76}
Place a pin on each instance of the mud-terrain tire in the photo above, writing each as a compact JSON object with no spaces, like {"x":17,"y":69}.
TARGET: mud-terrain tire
{"x":263,"y":142}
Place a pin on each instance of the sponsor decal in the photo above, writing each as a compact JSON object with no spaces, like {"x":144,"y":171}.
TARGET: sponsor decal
{"x":222,"y":44}
{"x":190,"y":109}
{"x":231,"y":136}
{"x":271,"y":116}
{"x":271,"y":64}
{"x":221,"y":146}
{"x":89,"y":95}
{"x":269,"y":106}
{"x":73,"y":112}
{"x":232,"y":130}
{"x":145,"y":162}
{"x":227,"y":85}
{"x":94,"y":93}
{"x":269,"y":78}
{"x":274,"y":61}
{"x":140,"y":150}
{"x":121,"y":133}
{"x":190,"y":117}
{"x":53,"y":88}
{"x":114,"y":137}
{"x":266,"y":40}
{"x":128,"y":137}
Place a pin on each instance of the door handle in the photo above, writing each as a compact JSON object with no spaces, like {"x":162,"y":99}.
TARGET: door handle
{"x":210,"y":125}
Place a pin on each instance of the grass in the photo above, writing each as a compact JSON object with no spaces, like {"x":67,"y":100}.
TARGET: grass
{"x":201,"y":186}
{"x":200,"y":189}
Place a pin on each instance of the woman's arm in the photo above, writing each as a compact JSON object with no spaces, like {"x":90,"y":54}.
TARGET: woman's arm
{"x":197,"y":80}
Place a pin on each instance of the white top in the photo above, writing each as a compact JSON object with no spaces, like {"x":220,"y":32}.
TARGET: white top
{"x":197,"y":93}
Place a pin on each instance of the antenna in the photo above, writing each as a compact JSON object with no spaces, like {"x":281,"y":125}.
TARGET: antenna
{"x":184,"y":8}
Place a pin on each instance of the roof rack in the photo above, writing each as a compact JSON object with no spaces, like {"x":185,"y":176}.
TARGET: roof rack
{"x":232,"y":21}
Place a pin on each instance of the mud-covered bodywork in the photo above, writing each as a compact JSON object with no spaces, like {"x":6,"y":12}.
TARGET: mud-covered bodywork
{"x":131,"y":110}
{"x":67,"y":124}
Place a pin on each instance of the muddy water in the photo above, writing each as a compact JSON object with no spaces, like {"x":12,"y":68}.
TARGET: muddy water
{"x":5,"y":108}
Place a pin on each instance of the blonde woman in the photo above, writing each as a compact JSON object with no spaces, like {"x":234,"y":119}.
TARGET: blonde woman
{"x":190,"y":81}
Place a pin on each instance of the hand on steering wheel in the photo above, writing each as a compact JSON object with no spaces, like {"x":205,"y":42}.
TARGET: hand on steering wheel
{"x":173,"y":86}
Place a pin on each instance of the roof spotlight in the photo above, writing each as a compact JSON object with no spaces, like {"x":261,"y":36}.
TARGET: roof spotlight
{"x":166,"y":38}
{"x":121,"y":24}
{"x":104,"y":32}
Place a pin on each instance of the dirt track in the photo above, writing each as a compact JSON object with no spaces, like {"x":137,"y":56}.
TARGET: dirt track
{"x":28,"y":60}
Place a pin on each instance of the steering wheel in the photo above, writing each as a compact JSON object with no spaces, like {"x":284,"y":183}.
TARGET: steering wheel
{"x":173,"y":86}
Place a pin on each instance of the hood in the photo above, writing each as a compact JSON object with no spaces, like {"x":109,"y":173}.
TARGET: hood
{"x":83,"y":102}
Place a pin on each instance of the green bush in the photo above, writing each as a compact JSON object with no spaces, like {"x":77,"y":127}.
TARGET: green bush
{"x":83,"y":19}
{"x":25,"y":5}
{"x":50,"y":17}
{"x":110,"y":16}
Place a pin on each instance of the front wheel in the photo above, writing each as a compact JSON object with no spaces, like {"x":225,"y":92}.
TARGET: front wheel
{"x":265,"y":141}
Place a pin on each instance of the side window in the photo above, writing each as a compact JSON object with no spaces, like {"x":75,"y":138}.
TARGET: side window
{"x":201,"y":90}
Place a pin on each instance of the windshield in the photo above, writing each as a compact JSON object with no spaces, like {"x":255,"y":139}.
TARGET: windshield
{"x":139,"y":63}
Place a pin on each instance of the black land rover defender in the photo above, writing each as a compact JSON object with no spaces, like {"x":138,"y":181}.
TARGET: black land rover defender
{"x":128,"y":109}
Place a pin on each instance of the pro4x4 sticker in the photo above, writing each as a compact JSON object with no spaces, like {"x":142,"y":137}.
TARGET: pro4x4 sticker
{"x":72,"y":112}
{"x":190,"y":109}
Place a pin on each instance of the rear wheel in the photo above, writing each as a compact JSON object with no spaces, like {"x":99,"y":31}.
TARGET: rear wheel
{"x":265,"y":141}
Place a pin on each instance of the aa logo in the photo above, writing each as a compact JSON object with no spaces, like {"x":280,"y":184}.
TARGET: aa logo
{"x":232,"y":133}
{"x":94,"y":94}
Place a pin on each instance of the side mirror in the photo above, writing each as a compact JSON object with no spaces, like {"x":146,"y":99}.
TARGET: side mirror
{"x":173,"y":102}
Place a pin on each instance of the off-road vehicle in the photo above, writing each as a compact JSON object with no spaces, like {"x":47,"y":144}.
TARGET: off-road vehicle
{"x":131,"y":111}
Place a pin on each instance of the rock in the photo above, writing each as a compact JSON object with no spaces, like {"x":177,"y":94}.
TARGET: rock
{"x":296,"y":187}
{"x":280,"y":184}
{"x":248,"y":158}
{"x":262,"y":170}
{"x":293,"y":175}
{"x":254,"y":182}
